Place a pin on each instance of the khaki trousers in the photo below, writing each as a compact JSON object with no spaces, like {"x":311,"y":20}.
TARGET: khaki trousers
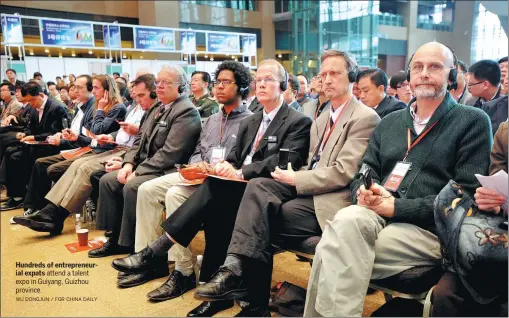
{"x":357,"y":246}
{"x":153,"y":197}
{"x":73,"y":188}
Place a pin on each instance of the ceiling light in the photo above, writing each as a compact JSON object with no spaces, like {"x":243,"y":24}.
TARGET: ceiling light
{"x":73,"y":55}
{"x":206,"y":56}
{"x":60,"y":55}
{"x":211,"y":58}
{"x":141,"y":57}
{"x":124,"y":57}
{"x":90,"y":52}
{"x":280,"y":56}
{"x":31,"y":53}
{"x":46,"y":51}
{"x":63,"y":48}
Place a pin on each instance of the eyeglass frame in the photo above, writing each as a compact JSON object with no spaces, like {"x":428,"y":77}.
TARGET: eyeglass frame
{"x":225,"y":83}
{"x":474,"y":84}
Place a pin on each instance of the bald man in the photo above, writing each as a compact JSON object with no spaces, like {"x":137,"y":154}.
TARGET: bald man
{"x":390,"y":226}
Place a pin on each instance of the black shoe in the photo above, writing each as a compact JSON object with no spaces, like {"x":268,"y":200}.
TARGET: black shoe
{"x":223,"y":285}
{"x":138,"y":262}
{"x":11,"y":204}
{"x":30,"y":211}
{"x":122,"y":275}
{"x":109,"y":248}
{"x":108,"y":233}
{"x":41,"y":222}
{"x":176,"y":285}
{"x":210,"y":308}
{"x":250,"y":311}
{"x":132,"y":280}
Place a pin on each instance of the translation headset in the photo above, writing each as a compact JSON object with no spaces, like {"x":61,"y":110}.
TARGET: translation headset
{"x":182,"y":88}
{"x":283,"y":85}
{"x":153,"y":95}
{"x":89,"y":83}
{"x":352,"y":75}
{"x":453,"y":73}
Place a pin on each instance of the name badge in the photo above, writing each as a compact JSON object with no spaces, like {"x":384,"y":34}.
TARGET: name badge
{"x":218,"y":154}
{"x":397,"y":175}
{"x":248,"y":160}
{"x":162,"y":123}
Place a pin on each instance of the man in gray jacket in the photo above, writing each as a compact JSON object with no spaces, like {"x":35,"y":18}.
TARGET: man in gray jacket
{"x":217,"y":139}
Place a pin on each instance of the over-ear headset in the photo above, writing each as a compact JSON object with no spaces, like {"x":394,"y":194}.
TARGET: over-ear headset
{"x":182,"y":88}
{"x":453,"y":73}
{"x":153,"y":95}
{"x":352,"y":75}
{"x":283,"y":85}
{"x":243,"y":89}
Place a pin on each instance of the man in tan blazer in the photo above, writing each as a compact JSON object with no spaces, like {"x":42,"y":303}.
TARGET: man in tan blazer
{"x":295,"y":205}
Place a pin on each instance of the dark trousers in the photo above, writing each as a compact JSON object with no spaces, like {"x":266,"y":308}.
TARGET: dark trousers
{"x":214,"y":205}
{"x":46,"y":170}
{"x":116,"y":208}
{"x":19,"y":161}
{"x":451,"y":299}
{"x":94,"y":181}
{"x":271,"y":211}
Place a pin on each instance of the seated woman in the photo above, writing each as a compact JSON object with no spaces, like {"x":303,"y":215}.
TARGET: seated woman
{"x":107,"y":112}
{"x":450,"y":297}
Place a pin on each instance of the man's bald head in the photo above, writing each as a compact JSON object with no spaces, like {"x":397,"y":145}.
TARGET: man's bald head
{"x":429,"y":70}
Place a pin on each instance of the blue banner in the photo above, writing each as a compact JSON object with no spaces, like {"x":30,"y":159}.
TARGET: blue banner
{"x":249,"y":45}
{"x":223,"y":43}
{"x":67,"y":33}
{"x":112,"y":38}
{"x":154,"y":39}
{"x":188,"y":41}
{"x":11,"y":29}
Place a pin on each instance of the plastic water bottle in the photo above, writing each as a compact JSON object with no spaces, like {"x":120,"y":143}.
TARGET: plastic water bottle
{"x":78,"y":222}
{"x":199,"y":260}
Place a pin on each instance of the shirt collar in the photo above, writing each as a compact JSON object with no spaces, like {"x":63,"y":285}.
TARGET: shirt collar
{"x":302,"y":98}
{"x":273,"y":113}
{"x":249,"y":100}
{"x":334,"y":114}
{"x":415,"y":117}
{"x":41,"y":109}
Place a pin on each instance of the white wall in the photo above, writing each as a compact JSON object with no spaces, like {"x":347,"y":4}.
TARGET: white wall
{"x":51,"y":67}
{"x":132,"y":66}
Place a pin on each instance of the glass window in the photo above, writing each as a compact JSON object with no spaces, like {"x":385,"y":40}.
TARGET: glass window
{"x":436,"y":15}
{"x":489,"y":40}
{"x":232,"y":4}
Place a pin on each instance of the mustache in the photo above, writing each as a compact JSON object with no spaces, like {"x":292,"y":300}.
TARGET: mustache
{"x":425,"y":83}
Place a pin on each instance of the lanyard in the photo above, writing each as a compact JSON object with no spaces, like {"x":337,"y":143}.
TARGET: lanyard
{"x":329,"y":129}
{"x":259,"y":136}
{"x":416,"y":141}
{"x":221,"y":128}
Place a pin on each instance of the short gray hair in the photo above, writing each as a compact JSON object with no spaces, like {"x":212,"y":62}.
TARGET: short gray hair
{"x":351,"y":63}
{"x":179,"y":71}
{"x":281,"y":69}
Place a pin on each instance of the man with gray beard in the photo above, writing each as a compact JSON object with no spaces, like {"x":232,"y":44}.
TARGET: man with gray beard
{"x":412,"y":154}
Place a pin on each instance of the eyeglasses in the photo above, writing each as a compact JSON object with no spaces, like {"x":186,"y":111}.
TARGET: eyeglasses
{"x":473,"y":84}
{"x":332,"y":74}
{"x":267,"y":80}
{"x":432,"y":69}
{"x":224,"y":82}
{"x":403,"y":85}
{"x":165,"y":83}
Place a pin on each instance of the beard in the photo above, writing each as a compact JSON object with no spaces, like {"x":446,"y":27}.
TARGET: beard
{"x":430,"y":92}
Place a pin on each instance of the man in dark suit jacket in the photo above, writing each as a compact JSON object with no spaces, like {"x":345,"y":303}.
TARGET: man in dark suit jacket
{"x":497,"y":109}
{"x":45,"y":121}
{"x":372,"y":84}
{"x":215,"y":203}
{"x":255,"y":106}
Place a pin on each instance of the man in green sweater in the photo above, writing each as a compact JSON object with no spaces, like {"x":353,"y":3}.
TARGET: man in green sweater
{"x":412,"y":155}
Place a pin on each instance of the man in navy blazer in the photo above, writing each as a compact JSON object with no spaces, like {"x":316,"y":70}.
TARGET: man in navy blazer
{"x":372,"y":84}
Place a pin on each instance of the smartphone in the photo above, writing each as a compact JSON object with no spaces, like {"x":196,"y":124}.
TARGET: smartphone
{"x":366,"y":176}
{"x":65,"y":123}
{"x":283,"y":158}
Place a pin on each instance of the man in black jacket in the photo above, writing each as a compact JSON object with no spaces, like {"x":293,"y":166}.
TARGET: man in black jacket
{"x":215,"y":203}
{"x":372,"y":84}
{"x":47,"y":120}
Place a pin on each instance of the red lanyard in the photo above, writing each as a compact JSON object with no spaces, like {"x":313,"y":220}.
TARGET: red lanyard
{"x":416,"y":141}
{"x":328,"y":132}
{"x":221,"y":128}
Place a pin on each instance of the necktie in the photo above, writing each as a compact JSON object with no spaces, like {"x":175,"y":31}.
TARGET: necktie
{"x":261,"y":132}
{"x":331,"y":123}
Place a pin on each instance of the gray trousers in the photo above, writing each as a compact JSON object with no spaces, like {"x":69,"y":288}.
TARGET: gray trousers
{"x":357,"y":246}
{"x":116,"y":208}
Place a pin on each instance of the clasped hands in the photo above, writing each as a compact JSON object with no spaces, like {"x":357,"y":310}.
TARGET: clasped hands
{"x":376,"y":199}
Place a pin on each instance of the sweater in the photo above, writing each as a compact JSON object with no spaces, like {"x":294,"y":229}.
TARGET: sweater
{"x":456,"y":148}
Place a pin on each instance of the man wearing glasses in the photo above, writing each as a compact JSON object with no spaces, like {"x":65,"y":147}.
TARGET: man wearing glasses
{"x":400,"y":84}
{"x":200,"y":82}
{"x":484,"y":81}
{"x":215,"y":203}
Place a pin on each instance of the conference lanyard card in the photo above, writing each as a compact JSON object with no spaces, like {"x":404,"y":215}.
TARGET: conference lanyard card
{"x":218,"y":154}
{"x":397,"y":175}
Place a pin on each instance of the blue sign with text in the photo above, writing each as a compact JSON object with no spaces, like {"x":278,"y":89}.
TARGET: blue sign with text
{"x":67,"y":33}
{"x":111,"y":35}
{"x":154,"y":39}
{"x":11,"y":29}
{"x":223,"y":43}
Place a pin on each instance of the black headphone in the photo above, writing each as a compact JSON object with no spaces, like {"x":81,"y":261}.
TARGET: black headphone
{"x":453,"y":73}
{"x":283,"y":85}
{"x":153,"y":95}
{"x":243,"y":89}
{"x":352,"y":75}
{"x":182,"y":88}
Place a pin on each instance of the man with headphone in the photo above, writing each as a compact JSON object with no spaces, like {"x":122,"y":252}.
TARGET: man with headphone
{"x":216,"y":142}
{"x":215,"y":203}
{"x":12,"y":106}
{"x":410,"y":158}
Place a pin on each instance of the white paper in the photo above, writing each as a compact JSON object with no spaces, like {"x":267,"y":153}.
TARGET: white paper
{"x":496,"y":182}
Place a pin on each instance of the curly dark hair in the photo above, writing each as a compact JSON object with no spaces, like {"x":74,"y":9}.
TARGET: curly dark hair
{"x":242,"y":76}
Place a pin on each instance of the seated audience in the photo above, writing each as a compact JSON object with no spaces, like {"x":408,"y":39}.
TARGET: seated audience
{"x":200,"y":82}
{"x":291,"y":92}
{"x":460,"y":93}
{"x":400,"y":84}
{"x":297,"y":205}
{"x":303,"y":96}
{"x":372,"y":84}
{"x":503,"y":72}
{"x":12,"y":105}
{"x":215,"y":203}
{"x":172,"y":130}
{"x":390,"y":227}
{"x":450,"y":297}
{"x":484,"y":82}
{"x":497,"y":109}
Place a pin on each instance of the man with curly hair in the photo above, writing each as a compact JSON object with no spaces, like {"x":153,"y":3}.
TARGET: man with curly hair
{"x":219,"y":132}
